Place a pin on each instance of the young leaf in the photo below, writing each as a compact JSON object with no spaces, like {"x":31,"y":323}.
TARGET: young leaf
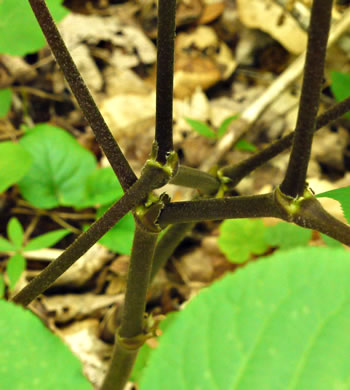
{"x":2,"y":287}
{"x":239,"y":238}
{"x":33,"y":357}
{"x":224,"y":125}
{"x":46,"y":240}
{"x":5,"y":100}
{"x":60,"y":167}
{"x":102,"y":188}
{"x":119,"y":238}
{"x":19,"y":26}
{"x":15,"y":162}
{"x":286,"y":235}
{"x":15,"y":233}
{"x":340,"y":86}
{"x":6,"y":246}
{"x":342,"y":195}
{"x":246,"y":146}
{"x":287,"y":314}
{"x":201,"y":128}
{"x":15,"y":267}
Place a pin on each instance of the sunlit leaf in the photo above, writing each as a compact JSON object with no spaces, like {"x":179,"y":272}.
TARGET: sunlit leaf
{"x":15,"y":267}
{"x":15,"y":232}
{"x":201,"y":128}
{"x":34,"y":358}
{"x":225,"y":124}
{"x":342,"y":195}
{"x":340,"y":86}
{"x":46,"y":240}
{"x":287,"y":235}
{"x":242,"y":144}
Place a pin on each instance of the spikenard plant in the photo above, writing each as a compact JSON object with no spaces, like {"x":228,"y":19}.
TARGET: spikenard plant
{"x":281,"y":323}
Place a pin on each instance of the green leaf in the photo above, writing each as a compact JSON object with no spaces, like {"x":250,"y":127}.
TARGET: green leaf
{"x":280,"y":323}
{"x":19,"y":27}
{"x":15,"y":233}
{"x":14,"y":163}
{"x":102,"y":188}
{"x":59,"y":170}
{"x":201,"y":128}
{"x":15,"y":267}
{"x":342,"y":195}
{"x":2,"y":287}
{"x":340,"y":86}
{"x":119,"y":239}
{"x":287,"y":235}
{"x":5,"y":99}
{"x":6,"y":246}
{"x":32,"y":357}
{"x":239,"y":238}
{"x":331,"y":242}
{"x":45,"y":240}
{"x":246,"y":146}
{"x":224,"y":125}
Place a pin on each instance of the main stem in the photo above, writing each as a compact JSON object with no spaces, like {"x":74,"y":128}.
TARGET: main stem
{"x":294,"y":181}
{"x":131,"y":335}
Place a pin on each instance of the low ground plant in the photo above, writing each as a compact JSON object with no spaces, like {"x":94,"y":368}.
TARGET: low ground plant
{"x":278,"y":323}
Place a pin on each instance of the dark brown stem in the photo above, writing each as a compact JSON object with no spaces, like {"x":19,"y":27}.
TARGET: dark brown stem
{"x":103,"y":135}
{"x":152,"y":177}
{"x":165,"y":71}
{"x":133,"y":325}
{"x":294,"y":181}
{"x":215,"y":209}
{"x":194,"y":178}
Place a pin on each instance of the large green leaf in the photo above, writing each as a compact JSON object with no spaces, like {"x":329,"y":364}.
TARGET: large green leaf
{"x":340,"y":86}
{"x":278,"y":324}
{"x":15,"y":161}
{"x":342,"y":195}
{"x":119,"y":239}
{"x":45,"y":240}
{"x":102,"y":188}
{"x":5,"y":99}
{"x":287,"y":235}
{"x":15,"y":232}
{"x":239,"y":238}
{"x":15,"y":267}
{"x":31,"y":357}
{"x":59,"y":170}
{"x":19,"y":27}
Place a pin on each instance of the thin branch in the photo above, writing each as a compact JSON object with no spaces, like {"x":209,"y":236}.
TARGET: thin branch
{"x":131,"y":334}
{"x":216,"y":209}
{"x":194,"y":178}
{"x":165,"y":73}
{"x":294,"y":181}
{"x":239,"y":171}
{"x":103,"y":135}
{"x":152,"y":177}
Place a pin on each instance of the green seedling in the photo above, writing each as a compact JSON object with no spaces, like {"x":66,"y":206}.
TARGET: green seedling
{"x":16,"y":249}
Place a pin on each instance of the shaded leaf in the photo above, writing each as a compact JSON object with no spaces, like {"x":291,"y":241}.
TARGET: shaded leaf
{"x":280,"y":323}
{"x":239,"y":238}
{"x":59,"y":170}
{"x":119,"y":239}
{"x":15,"y":267}
{"x":33,"y":357}
{"x":201,"y":128}
{"x":342,"y":195}
{"x":340,"y":86}
{"x":102,"y":188}
{"x":15,"y":232}
{"x":20,"y":29}
{"x":45,"y":240}
{"x":242,"y":144}
{"x":14,"y":163}
{"x":225,"y":124}
{"x":287,"y":235}
{"x":5,"y":100}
